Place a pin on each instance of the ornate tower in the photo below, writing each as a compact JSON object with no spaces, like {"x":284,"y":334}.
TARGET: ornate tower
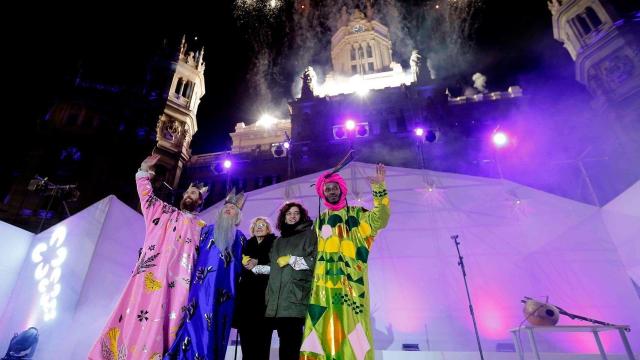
{"x":604,"y":41}
{"x":360,"y":46}
{"x":178,"y":122}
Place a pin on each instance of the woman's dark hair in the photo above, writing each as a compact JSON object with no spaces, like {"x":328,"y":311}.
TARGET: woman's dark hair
{"x":304,"y":215}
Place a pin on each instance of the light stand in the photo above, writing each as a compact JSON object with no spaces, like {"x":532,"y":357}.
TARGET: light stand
{"x":289,"y":156}
{"x":55,"y":191}
{"x":419,"y":144}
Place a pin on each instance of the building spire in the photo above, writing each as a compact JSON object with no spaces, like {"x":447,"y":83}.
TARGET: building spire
{"x":369,"y":9}
{"x":178,"y":122}
{"x":200,"y":59}
{"x":183,"y":45}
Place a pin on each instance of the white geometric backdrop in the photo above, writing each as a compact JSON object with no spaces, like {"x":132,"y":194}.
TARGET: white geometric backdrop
{"x":516,"y":241}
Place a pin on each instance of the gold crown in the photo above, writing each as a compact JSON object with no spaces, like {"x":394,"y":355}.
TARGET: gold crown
{"x":235,"y":199}
{"x":204,"y":190}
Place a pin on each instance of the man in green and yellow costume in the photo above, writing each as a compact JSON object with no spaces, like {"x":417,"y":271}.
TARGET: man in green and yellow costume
{"x":337,"y":324}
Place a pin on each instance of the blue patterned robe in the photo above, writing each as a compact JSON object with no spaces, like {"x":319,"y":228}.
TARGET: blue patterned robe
{"x":206,"y":322}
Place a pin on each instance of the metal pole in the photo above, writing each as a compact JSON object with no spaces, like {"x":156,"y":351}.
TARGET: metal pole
{"x":53,"y":195}
{"x":420,"y":150}
{"x":499,"y":168}
{"x":466,"y":286}
{"x":289,"y":162}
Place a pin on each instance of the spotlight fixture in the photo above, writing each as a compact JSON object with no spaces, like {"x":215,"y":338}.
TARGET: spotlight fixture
{"x":362,"y":130}
{"x":279,"y":149}
{"x":351,"y":129}
{"x":428,"y":135}
{"x":431,"y":136}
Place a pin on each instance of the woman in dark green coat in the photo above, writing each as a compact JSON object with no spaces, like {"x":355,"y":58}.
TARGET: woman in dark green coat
{"x":293,"y":257}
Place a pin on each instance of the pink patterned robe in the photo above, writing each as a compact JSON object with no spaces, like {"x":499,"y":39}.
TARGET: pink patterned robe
{"x":146,"y":318}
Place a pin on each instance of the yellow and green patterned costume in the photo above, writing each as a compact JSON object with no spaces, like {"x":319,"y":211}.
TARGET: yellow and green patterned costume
{"x":337,"y":324}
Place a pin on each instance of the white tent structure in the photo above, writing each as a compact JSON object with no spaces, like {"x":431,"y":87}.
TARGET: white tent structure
{"x":70,"y":277}
{"x":622,"y":216}
{"x":516,"y":241}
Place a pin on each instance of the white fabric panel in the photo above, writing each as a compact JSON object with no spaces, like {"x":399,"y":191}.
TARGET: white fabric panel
{"x":113,"y":260}
{"x":14,"y":247}
{"x":622,"y":217}
{"x":78,"y":236}
{"x":516,"y":241}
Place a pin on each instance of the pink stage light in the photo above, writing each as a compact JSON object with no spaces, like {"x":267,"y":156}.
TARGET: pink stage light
{"x":226,"y":164}
{"x":350,"y":124}
{"x":500,"y":139}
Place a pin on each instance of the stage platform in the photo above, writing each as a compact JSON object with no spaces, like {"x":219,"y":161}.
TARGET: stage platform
{"x":460,"y":355}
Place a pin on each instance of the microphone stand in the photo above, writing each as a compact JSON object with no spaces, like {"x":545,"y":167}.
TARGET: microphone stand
{"x":235,"y":355}
{"x":466,"y":286}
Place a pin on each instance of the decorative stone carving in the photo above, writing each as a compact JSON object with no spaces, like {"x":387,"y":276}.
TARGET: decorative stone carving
{"x":617,"y":69}
{"x":169,"y":130}
{"x":554,"y":6}
{"x":595,"y":84}
{"x":415,"y":61}
{"x":308,"y":79}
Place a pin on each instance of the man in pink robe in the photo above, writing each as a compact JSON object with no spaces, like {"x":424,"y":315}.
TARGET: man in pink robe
{"x":147,"y":316}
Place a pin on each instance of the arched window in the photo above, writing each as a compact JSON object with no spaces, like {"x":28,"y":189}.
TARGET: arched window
{"x":353,"y":54}
{"x":584,"y":24}
{"x":73,"y":116}
{"x":186,"y":90}
{"x":178,"y":86}
{"x":369,"y":51}
{"x":360,"y":52}
{"x":593,"y":17}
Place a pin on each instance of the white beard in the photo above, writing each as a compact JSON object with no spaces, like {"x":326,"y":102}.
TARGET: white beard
{"x":224,"y":231}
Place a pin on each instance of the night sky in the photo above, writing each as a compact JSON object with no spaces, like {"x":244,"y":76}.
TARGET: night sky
{"x":509,"y":41}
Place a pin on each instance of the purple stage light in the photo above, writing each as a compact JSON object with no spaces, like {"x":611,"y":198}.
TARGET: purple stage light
{"x":419,"y":131}
{"x":350,"y":124}
{"x":227,"y":164}
{"x":286,"y":145}
{"x":500,"y":139}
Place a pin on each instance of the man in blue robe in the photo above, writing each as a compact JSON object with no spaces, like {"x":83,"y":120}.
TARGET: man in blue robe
{"x":206,"y":319}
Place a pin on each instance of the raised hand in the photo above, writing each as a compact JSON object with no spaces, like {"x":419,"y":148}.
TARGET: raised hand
{"x":149,"y":162}
{"x":380,"y":173}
